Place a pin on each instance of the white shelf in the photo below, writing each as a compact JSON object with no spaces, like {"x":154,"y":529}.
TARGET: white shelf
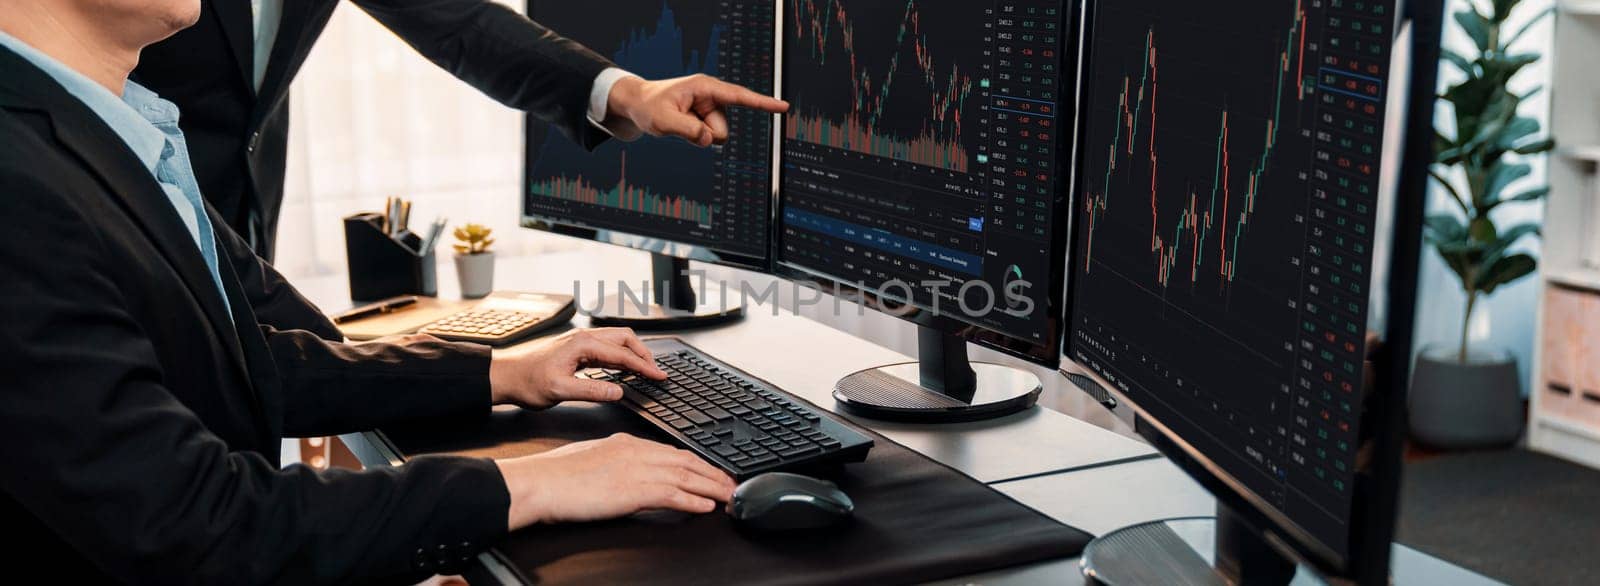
{"x":1590,"y":153}
{"x":1557,"y":438}
{"x":1572,"y":209}
{"x":1577,"y":428}
{"x":1580,"y":7}
{"x":1582,"y":278}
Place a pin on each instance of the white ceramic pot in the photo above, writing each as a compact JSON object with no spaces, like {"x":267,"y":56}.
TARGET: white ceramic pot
{"x":476,"y":272}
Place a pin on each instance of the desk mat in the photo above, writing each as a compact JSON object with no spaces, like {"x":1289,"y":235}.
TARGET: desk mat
{"x":916,"y":520}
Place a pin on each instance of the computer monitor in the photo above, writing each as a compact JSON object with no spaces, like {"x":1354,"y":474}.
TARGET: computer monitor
{"x":1248,"y":205}
{"x":921,"y":166}
{"x":673,"y":199}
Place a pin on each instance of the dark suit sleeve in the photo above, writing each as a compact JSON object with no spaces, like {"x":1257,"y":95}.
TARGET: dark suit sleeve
{"x":332,"y":388}
{"x":275,"y":302}
{"x":512,"y":59}
{"x":95,"y":446}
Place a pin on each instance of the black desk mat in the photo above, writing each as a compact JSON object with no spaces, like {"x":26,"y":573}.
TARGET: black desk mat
{"x":916,"y":520}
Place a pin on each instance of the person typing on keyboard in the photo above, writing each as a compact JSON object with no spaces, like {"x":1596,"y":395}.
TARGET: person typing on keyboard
{"x":742,"y":424}
{"x":145,"y":403}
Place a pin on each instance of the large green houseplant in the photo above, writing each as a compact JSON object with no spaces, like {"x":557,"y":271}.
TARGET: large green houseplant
{"x":1477,"y":163}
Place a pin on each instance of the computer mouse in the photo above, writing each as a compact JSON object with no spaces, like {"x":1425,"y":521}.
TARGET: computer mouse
{"x":779,"y":501}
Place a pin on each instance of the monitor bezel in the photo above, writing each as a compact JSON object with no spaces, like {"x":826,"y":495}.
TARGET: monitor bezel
{"x":671,"y":248}
{"x":1045,"y":354}
{"x":1375,"y":499}
{"x":624,"y":238}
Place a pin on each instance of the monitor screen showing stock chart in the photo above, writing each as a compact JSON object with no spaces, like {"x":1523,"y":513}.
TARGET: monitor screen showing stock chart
{"x":1224,"y":233}
{"x":924,"y":146}
{"x":664,"y":190}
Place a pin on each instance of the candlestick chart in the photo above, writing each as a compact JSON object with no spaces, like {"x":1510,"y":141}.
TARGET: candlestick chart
{"x":895,"y":84}
{"x":1205,"y":224}
{"x":1225,"y":215}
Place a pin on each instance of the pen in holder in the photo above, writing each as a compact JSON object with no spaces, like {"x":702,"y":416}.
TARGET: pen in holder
{"x":382,"y":266}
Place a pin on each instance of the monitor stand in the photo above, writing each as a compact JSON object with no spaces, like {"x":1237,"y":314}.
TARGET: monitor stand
{"x":941,"y":387}
{"x":674,"y":307}
{"x":1221,"y":550}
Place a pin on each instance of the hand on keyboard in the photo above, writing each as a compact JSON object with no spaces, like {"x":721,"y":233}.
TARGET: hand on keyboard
{"x":608,"y":478}
{"x":742,"y":424}
{"x":540,"y":375}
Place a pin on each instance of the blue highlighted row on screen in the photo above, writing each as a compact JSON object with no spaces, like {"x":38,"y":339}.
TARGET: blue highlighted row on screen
{"x":883,"y":240}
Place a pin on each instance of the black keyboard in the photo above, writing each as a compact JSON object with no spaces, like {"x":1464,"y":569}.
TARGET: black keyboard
{"x":733,"y":420}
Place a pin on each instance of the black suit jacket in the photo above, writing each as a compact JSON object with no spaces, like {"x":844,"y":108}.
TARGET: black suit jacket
{"x":238,"y":137}
{"x":140,"y":422}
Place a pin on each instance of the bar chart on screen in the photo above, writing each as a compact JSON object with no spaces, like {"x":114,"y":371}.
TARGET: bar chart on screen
{"x":626,"y":196}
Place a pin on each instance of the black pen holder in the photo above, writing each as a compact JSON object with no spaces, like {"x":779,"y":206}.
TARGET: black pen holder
{"x":382,"y":266}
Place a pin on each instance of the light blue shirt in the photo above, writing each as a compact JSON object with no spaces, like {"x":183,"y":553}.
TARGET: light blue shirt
{"x":265,"y":16}
{"x":149,"y":125}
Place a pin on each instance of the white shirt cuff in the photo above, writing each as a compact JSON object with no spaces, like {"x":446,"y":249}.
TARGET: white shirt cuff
{"x":600,"y":96}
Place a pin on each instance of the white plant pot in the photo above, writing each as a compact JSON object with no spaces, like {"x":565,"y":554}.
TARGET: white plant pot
{"x":476,"y":272}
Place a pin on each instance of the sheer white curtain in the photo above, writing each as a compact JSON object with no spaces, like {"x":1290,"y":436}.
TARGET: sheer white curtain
{"x":371,"y":119}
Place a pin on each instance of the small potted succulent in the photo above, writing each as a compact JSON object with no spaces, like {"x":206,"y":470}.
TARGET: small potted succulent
{"x":474,"y":260}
